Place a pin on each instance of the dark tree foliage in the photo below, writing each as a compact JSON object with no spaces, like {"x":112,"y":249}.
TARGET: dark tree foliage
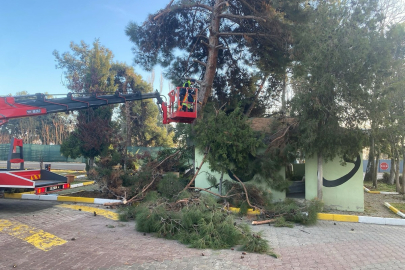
{"x":94,"y":130}
{"x":88,"y":71}
{"x":232,"y":47}
{"x":71,"y":146}
{"x":233,"y":148}
{"x":337,"y":62}
{"x":139,"y":119}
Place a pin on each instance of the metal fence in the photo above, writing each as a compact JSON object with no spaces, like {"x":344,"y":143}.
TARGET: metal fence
{"x":384,"y":165}
{"x":51,"y":153}
{"x":140,"y":150}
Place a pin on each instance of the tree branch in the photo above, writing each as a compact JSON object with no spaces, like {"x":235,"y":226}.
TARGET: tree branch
{"x":241,"y":34}
{"x":222,"y":3}
{"x":153,"y":178}
{"x":198,"y":170}
{"x":200,"y":62}
{"x":168,"y":9}
{"x":240,"y":17}
{"x":205,"y":43}
{"x":172,"y":155}
{"x":247,"y":4}
{"x":206,"y":190}
{"x":279,"y":137}
{"x":256,"y":96}
{"x":263,"y":222}
{"x":247,"y":197}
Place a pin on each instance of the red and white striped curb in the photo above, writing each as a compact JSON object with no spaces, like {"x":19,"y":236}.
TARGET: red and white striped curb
{"x":380,"y":192}
{"x":25,"y":196}
{"x":393,"y":209}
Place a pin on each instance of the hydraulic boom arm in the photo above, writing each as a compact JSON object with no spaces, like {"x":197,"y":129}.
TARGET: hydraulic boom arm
{"x":38,"y":104}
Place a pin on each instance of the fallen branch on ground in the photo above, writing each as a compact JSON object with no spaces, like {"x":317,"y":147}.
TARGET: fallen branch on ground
{"x":187,"y":200}
{"x":114,"y":203}
{"x":135,"y":198}
{"x":206,"y":190}
{"x":263,"y":222}
{"x":198,"y":170}
{"x":247,"y":196}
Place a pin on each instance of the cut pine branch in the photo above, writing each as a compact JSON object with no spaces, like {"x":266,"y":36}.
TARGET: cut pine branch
{"x":198,"y":170}
{"x":206,"y":190}
{"x":246,"y":193}
{"x":263,"y":222}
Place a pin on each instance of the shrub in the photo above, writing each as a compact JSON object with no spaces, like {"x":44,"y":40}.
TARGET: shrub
{"x":386,"y":177}
{"x":127,"y":213}
{"x":244,"y":207}
{"x":291,"y":211}
{"x":281,"y":222}
{"x":170,"y":185}
{"x":253,"y":242}
{"x":148,"y":218}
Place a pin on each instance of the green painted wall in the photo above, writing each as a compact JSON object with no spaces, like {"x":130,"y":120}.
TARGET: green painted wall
{"x":201,"y":179}
{"x":349,"y":196}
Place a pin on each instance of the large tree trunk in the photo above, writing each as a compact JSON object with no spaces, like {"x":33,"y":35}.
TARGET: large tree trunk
{"x":398,"y":186}
{"x":283,"y":94}
{"x":128,"y":135}
{"x":253,"y":104}
{"x":91,"y":163}
{"x":320,"y":177}
{"x":370,"y":165}
{"x":220,"y":183}
{"x":211,"y":65}
{"x":391,"y":180}
{"x":375,"y":172}
{"x":403,"y":159}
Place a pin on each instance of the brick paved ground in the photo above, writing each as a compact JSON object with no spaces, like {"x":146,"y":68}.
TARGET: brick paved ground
{"x":100,"y":243}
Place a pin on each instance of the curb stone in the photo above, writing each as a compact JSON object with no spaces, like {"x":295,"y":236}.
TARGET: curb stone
{"x":350,"y":218}
{"x":25,"y":196}
{"x":380,"y":192}
{"x":361,"y":219}
{"x":321,"y":216}
{"x":393,"y":209}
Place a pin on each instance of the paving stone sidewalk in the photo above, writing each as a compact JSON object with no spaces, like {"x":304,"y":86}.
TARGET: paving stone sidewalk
{"x":95,"y":242}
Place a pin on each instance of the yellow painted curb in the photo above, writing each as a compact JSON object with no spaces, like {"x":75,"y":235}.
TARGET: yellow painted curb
{"x":88,"y":183}
{"x":84,"y":200}
{"x":374,"y":192}
{"x":13,"y":195}
{"x":336,"y":217}
{"x":98,"y":211}
{"x":323,"y":216}
{"x":346,"y":218}
{"x":250,"y":211}
{"x":75,"y":199}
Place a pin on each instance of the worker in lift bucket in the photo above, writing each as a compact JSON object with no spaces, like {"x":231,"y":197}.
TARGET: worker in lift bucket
{"x":186,"y":95}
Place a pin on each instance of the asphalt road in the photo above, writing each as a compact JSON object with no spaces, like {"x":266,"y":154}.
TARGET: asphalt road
{"x":54,"y":165}
{"x":44,"y":235}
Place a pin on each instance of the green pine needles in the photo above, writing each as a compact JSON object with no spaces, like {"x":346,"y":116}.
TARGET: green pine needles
{"x":202,"y":223}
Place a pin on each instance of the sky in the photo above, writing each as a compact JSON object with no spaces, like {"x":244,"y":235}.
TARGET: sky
{"x":30,"y":30}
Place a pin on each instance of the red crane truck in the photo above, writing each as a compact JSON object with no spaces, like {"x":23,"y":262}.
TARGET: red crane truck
{"x":43,"y":181}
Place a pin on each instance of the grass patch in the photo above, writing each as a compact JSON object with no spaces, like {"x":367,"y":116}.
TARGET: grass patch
{"x":381,"y":186}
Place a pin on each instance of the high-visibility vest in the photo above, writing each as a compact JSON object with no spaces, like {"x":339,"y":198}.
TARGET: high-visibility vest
{"x":184,"y":101}
{"x":187,"y":82}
